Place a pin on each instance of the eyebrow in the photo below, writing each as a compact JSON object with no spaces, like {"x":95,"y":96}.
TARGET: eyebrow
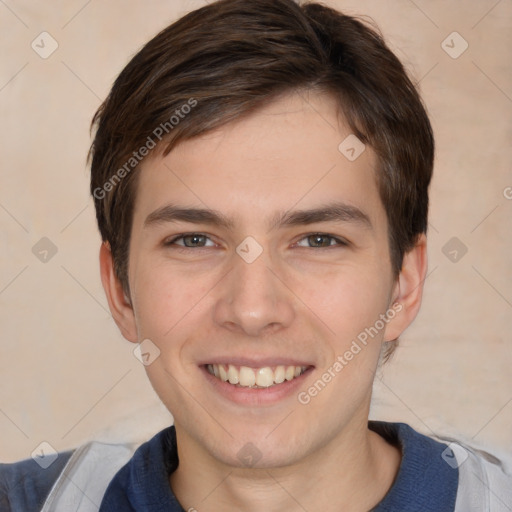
{"x":332,"y":212}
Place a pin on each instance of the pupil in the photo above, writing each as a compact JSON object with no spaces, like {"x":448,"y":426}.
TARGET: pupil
{"x":195,"y":239}
{"x":318,"y":239}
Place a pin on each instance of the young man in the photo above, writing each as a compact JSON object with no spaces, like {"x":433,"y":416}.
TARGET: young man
{"x":260,"y":173}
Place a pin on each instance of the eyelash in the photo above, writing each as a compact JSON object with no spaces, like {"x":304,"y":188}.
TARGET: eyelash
{"x":171,"y":242}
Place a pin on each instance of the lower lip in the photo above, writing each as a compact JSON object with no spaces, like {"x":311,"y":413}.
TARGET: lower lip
{"x":256,"y":396}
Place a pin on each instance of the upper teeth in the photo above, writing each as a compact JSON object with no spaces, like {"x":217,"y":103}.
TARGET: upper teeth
{"x":251,"y":377}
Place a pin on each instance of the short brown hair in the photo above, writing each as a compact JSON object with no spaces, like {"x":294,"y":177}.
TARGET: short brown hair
{"x":224,"y":61}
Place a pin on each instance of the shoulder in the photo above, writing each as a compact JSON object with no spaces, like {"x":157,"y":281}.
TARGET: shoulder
{"x":25,"y":485}
{"x":485,"y":479}
{"x":88,"y":473}
{"x":454,"y":474}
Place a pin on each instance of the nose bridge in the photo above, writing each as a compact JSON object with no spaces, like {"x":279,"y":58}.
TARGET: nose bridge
{"x":253,"y":279}
{"x":253,"y":298}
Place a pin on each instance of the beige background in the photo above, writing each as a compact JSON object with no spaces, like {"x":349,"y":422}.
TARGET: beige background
{"x":66,"y":373}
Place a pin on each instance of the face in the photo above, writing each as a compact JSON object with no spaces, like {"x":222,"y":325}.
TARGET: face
{"x":259,"y":254}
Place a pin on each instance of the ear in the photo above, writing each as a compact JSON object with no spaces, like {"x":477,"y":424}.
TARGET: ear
{"x":408,"y":289}
{"x":118,"y":302}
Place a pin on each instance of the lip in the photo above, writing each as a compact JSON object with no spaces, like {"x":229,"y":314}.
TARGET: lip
{"x":256,"y":362}
{"x":256,"y":396}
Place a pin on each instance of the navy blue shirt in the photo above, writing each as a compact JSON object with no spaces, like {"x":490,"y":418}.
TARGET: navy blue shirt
{"x":424,"y":483}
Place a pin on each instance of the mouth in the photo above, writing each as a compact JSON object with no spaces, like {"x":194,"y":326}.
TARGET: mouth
{"x":256,"y":378}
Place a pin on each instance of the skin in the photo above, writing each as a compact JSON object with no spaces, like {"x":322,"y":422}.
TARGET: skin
{"x":296,"y":300}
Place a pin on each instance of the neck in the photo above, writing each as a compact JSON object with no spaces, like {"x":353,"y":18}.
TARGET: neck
{"x":352,"y":472}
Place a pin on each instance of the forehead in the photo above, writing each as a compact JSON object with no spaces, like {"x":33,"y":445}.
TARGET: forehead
{"x":292,"y":153}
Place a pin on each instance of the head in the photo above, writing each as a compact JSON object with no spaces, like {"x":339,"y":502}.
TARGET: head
{"x":244,"y":110}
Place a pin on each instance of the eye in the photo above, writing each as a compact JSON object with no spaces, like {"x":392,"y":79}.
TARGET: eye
{"x":189,"y":240}
{"x":319,"y":240}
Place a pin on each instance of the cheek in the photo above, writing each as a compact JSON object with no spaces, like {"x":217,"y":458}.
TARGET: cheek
{"x":161,"y":299}
{"x":171,"y":306}
{"x":165,"y":308}
{"x":347,"y":299}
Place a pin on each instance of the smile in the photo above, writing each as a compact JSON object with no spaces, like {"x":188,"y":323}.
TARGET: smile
{"x":244,"y":376}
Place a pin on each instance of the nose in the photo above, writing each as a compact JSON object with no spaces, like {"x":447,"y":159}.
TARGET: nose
{"x":254,"y":300}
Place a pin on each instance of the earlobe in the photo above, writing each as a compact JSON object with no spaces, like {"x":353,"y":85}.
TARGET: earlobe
{"x":118,"y":302}
{"x":409,"y":289}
